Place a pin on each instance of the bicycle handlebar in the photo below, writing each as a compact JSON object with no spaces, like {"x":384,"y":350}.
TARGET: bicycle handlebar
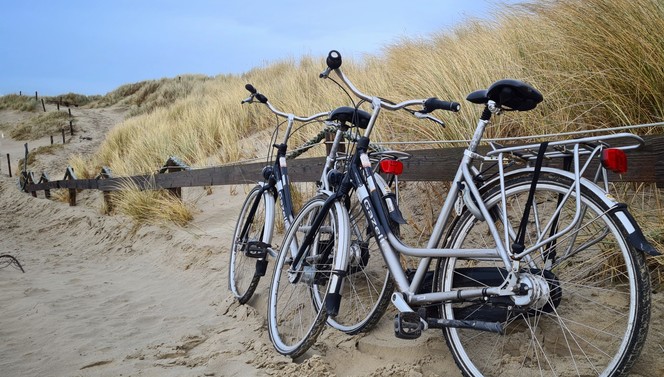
{"x":334,"y":61}
{"x":433,"y":103}
{"x":254,"y":94}
{"x":262,"y":99}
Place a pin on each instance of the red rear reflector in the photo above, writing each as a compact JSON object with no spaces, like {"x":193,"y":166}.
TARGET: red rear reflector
{"x":391,"y":166}
{"x":614,"y":160}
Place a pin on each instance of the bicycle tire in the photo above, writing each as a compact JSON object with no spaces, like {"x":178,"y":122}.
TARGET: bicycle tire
{"x":242,"y":279}
{"x":294,"y":323}
{"x":595,"y":320}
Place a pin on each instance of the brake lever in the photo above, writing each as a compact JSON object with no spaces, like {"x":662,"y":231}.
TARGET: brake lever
{"x":326,"y":73}
{"x":419,"y":115}
{"x":249,"y":99}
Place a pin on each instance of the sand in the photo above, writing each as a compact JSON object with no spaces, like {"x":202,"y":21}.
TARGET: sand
{"x":100,"y":298}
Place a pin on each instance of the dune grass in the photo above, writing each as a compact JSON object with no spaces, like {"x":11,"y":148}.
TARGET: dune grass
{"x":29,"y":103}
{"x":145,"y":96}
{"x":598,"y":64}
{"x":45,"y":149}
{"x":151,"y":207}
{"x":18,"y":102}
{"x":72,"y":99}
{"x":41,"y":125}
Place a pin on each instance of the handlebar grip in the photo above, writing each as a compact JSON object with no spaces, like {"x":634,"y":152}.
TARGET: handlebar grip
{"x":333,"y":59}
{"x":261,"y":98}
{"x":250,"y":88}
{"x":433,"y":103}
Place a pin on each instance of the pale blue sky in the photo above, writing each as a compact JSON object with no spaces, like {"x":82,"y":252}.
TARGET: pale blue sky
{"x":92,"y":47}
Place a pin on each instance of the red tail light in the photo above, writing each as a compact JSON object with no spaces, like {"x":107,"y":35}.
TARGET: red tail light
{"x":614,"y":160}
{"x":391,"y":166}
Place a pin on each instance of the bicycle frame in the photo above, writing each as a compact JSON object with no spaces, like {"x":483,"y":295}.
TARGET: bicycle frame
{"x":391,"y":245}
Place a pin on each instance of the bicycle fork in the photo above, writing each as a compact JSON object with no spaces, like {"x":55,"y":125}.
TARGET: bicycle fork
{"x":341,"y":258}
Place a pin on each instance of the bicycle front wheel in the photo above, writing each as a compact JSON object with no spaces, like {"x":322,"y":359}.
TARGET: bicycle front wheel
{"x":251,"y":229}
{"x":368,"y":284}
{"x":294,"y":322}
{"x":595,"y":319}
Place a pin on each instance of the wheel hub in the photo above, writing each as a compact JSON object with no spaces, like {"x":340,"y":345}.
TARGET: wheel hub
{"x":308,"y":275}
{"x":359,"y":256}
{"x":534,"y":291}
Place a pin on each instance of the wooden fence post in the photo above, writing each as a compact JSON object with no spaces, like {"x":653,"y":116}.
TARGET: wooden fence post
{"x":174,"y":164}
{"x":43,"y":105}
{"x":44,"y":179}
{"x":36,"y":97}
{"x":70,"y":176}
{"x":71,"y":127}
{"x":63,"y":135}
{"x":108,"y":200}
{"x":25,"y":160}
{"x":9,"y":165}
{"x":329,"y":139}
{"x":28,"y":178}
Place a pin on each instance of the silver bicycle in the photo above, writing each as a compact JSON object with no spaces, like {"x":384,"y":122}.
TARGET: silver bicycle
{"x":538,"y":270}
{"x":369,"y":287}
{"x":252,"y":238}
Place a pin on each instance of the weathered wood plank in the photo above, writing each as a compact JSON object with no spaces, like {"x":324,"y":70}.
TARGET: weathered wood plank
{"x":645,"y":165}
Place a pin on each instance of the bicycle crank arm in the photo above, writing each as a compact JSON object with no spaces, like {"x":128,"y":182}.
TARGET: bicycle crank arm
{"x":494,"y":327}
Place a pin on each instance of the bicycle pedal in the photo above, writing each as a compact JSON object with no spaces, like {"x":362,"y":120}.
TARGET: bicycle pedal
{"x":256,"y":249}
{"x":261,"y":267}
{"x":407,"y":325}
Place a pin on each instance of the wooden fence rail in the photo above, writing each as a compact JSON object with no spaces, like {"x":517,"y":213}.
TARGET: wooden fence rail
{"x":646,"y":165}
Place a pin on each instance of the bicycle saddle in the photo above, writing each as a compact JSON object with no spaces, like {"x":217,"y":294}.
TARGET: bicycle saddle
{"x":510,"y":94}
{"x":357,"y":117}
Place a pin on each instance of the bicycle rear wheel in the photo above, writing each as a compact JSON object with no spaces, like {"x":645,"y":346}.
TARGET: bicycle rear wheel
{"x":596,"y":317}
{"x":294,"y":322}
{"x":250,"y":229}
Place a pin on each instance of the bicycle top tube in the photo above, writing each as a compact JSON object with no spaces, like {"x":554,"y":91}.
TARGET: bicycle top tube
{"x":263,"y":99}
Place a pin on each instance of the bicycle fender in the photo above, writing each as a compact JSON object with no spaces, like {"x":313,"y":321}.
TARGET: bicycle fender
{"x":619,"y":211}
{"x":341,"y":260}
{"x":635,"y":236}
{"x":270,"y":208}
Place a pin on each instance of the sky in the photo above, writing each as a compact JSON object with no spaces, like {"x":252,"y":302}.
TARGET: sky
{"x":93,"y":47}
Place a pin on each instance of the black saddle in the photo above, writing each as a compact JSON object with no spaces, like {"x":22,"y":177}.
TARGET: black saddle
{"x":357,"y":117}
{"x":509,"y":94}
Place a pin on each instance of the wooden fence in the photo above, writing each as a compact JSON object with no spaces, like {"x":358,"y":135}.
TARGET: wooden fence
{"x":646,"y":165}
{"x":62,"y":129}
